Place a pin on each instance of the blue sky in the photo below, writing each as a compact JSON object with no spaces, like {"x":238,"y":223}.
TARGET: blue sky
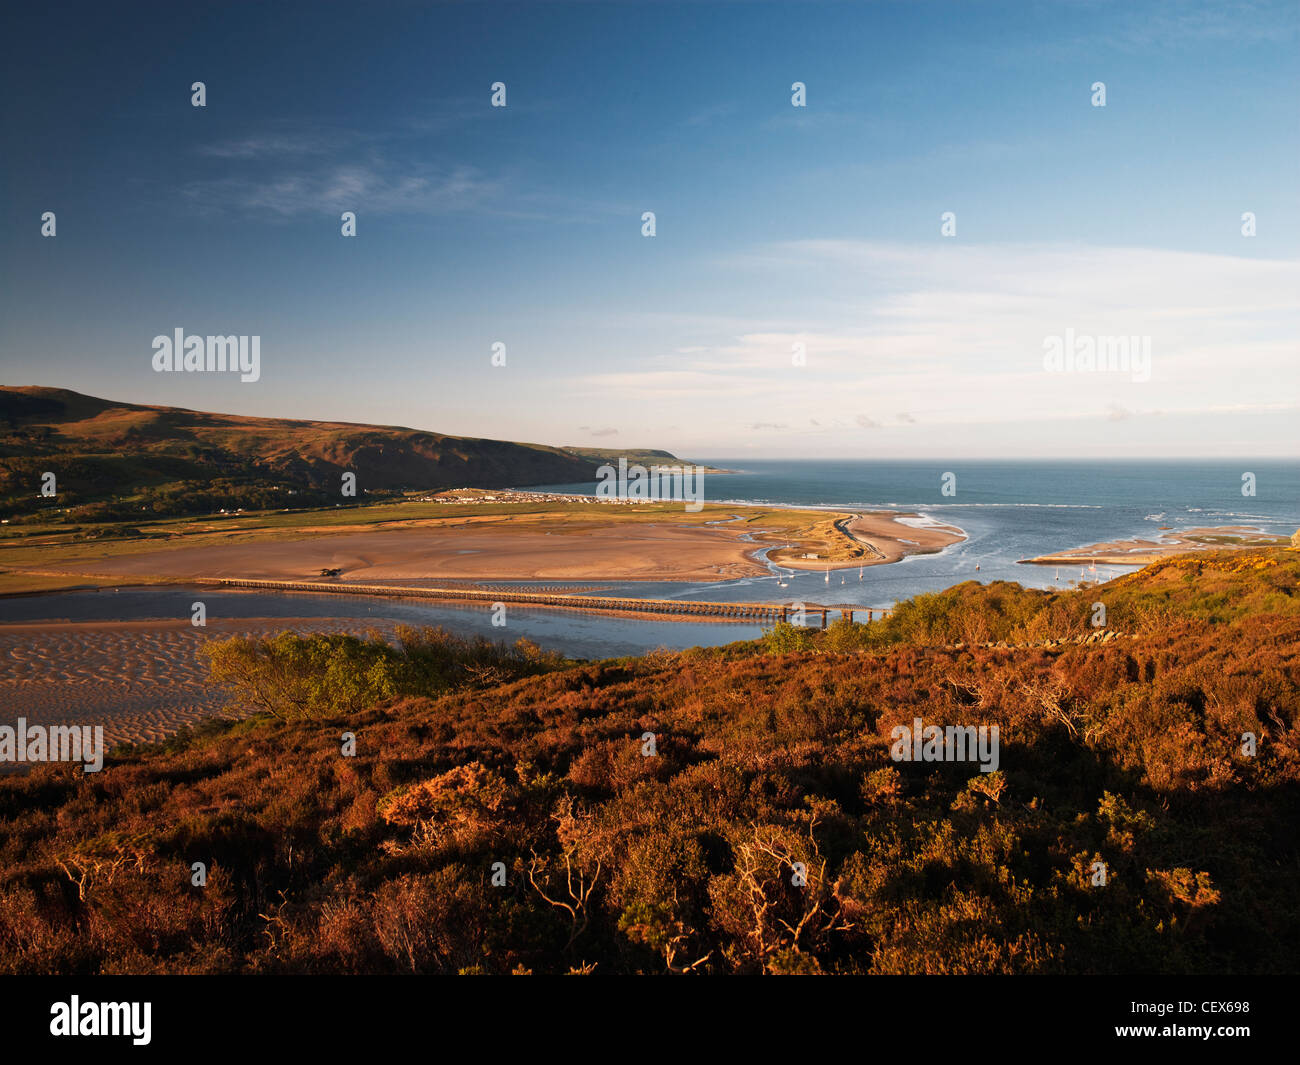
{"x":776,"y":225}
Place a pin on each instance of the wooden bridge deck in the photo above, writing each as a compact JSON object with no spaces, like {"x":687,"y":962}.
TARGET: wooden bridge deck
{"x":751,"y":612}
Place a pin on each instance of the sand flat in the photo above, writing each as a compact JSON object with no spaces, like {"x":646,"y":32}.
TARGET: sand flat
{"x":498,"y":549}
{"x":1140,"y":551}
{"x":141,"y":680}
{"x":895,"y":537}
{"x":526,"y":541}
{"x":644,"y":551}
{"x":872,"y":539}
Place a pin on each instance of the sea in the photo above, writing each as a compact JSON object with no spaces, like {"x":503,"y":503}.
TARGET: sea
{"x":1010,"y":511}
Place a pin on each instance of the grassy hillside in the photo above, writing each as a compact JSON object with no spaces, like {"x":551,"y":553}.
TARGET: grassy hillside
{"x":772,"y":759}
{"x":636,"y":456}
{"x":114,"y":460}
{"x":633,"y":455}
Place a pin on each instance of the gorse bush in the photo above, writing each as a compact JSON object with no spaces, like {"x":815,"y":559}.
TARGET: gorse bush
{"x":784,"y":637}
{"x":329,"y":674}
{"x":1207,"y":586}
{"x":293,"y":676}
{"x":969,"y":613}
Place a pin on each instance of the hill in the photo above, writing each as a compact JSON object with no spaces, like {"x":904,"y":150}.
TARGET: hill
{"x":1125,"y":828}
{"x":637,"y":456}
{"x":114,"y":459}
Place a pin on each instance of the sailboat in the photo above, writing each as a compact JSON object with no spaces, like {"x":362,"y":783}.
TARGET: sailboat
{"x":859,"y":573}
{"x":828,"y":575}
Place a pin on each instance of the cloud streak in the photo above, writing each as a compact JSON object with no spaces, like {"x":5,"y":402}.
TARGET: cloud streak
{"x":910,"y":340}
{"x":375,"y":187}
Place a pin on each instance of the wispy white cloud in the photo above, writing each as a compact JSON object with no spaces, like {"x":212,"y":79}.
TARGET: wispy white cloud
{"x":707,"y":116}
{"x":273,"y":145}
{"x":373,"y":187}
{"x":1177,"y":22}
{"x":918,"y":340}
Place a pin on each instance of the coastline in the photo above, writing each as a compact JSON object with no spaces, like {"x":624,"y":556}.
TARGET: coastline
{"x":555,"y":540}
{"x":1139,"y":551}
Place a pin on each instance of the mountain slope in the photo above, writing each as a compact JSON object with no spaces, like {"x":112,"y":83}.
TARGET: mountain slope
{"x":104,"y":451}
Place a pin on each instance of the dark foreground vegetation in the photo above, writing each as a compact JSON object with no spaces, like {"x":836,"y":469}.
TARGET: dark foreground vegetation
{"x":770,"y":759}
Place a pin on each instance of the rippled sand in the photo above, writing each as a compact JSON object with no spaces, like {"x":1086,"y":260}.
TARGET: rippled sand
{"x":141,"y":680}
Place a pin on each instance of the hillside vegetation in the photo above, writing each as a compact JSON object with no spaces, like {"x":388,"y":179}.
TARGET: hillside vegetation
{"x":114,"y":460}
{"x":769,"y":831}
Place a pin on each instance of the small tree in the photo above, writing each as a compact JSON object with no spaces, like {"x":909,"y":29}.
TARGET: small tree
{"x":783,"y":638}
{"x":294,"y":676}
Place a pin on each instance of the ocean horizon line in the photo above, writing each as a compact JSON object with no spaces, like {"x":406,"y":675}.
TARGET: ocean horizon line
{"x":1028,"y":461}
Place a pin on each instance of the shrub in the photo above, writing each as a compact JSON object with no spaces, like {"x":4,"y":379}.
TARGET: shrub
{"x":330,"y":674}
